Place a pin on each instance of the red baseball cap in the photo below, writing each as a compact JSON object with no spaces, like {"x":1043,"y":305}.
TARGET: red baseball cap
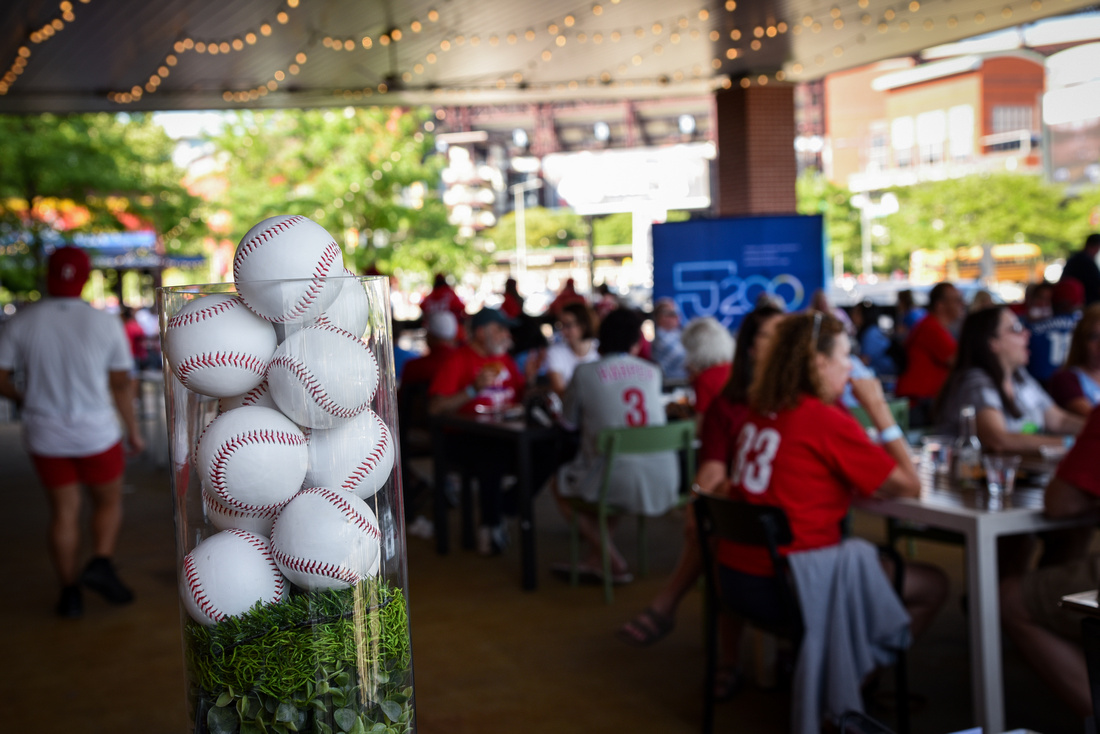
{"x":1068,"y":293}
{"x":67,"y":272}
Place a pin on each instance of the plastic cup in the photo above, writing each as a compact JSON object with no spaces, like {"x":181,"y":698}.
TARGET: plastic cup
{"x":1000,"y":473}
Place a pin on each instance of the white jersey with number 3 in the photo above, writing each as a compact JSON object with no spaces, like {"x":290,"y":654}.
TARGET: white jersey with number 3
{"x":616,"y":392}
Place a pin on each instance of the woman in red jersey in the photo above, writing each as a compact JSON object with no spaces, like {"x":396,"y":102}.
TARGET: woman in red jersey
{"x":799,"y":450}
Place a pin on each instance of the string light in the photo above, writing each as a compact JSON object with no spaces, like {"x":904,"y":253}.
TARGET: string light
{"x":225,"y":46}
{"x":561,"y":29}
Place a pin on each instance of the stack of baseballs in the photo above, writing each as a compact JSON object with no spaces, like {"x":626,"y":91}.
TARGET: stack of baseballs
{"x":295,"y":451}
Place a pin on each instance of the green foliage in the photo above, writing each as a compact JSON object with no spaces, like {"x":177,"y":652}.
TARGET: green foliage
{"x":333,"y":661}
{"x":994,"y":209}
{"x":370,"y":170}
{"x":544,"y":228}
{"x":107,"y":164}
{"x":816,"y":195}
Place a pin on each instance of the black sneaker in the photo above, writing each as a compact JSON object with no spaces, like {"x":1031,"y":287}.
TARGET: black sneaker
{"x":100,"y":577}
{"x":71,"y":603}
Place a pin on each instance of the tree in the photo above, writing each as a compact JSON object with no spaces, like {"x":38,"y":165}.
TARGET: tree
{"x":367,"y":174}
{"x":82,"y":173}
{"x":816,"y":195}
{"x":975,"y":210}
{"x":543,"y":227}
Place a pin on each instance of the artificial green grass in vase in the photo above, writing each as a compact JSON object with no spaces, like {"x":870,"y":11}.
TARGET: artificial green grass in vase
{"x":319,"y":662}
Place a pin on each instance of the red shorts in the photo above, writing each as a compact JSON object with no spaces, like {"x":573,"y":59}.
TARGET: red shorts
{"x":57,"y":471}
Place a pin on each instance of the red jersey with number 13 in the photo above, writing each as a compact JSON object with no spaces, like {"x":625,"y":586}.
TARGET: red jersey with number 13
{"x":811,"y":461}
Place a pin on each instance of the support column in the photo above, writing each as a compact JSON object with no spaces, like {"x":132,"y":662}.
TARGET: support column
{"x":756,"y":159}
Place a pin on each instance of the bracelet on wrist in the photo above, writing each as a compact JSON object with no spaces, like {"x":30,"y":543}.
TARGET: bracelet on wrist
{"x":1068,"y":441}
{"x":471,"y":391}
{"x":890,"y":433}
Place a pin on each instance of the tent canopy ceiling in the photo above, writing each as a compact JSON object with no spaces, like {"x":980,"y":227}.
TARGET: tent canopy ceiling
{"x":117,"y":55}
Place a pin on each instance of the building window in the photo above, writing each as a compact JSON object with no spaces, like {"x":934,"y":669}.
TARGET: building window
{"x":931,"y":133}
{"x":960,"y":131}
{"x":902,"y":138}
{"x":878,"y":151}
{"x":1011,"y":119}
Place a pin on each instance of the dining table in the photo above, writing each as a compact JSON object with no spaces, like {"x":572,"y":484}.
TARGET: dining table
{"x":980,"y":519}
{"x":523,"y":437}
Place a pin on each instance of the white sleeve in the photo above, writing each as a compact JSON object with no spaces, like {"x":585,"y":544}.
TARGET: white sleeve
{"x":121,"y":359}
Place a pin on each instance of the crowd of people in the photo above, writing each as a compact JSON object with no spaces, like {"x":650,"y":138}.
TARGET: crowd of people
{"x":772,"y":405}
{"x":774,"y":423}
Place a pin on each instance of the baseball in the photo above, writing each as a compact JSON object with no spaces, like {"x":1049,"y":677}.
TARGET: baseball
{"x":351,"y":309}
{"x":259,"y":395}
{"x":227,"y":574}
{"x":217,"y":347}
{"x":357,"y":456}
{"x":281,"y":266}
{"x":322,"y":376}
{"x":224,"y":518}
{"x":326,"y":539}
{"x":252,"y":459}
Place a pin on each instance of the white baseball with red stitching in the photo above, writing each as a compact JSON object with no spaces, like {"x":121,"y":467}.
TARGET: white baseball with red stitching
{"x":259,"y":395}
{"x":252,"y":459}
{"x":281,"y":268}
{"x":357,"y":456}
{"x":322,"y":376}
{"x":224,"y":518}
{"x":226,"y":574}
{"x":216,"y":346}
{"x":351,"y":309}
{"x":326,"y":539}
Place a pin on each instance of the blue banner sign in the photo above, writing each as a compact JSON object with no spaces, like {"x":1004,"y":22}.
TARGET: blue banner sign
{"x":721,"y":267}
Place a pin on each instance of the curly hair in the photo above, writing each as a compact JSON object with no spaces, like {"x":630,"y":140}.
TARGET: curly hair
{"x":789,"y":369}
{"x":1078,"y":355}
{"x":707,"y":343}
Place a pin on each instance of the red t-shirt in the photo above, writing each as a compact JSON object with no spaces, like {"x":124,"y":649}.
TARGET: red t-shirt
{"x":464,"y":364}
{"x":811,"y":461}
{"x":718,"y":435}
{"x":443,"y":298}
{"x":423,"y":369}
{"x":1079,"y":465}
{"x":931,"y":349}
{"x":708,"y":383}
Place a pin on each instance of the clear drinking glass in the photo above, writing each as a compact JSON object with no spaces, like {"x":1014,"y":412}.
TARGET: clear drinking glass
{"x":290,"y":537}
{"x":1000,"y":473}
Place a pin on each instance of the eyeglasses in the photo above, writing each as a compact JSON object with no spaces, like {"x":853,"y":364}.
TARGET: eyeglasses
{"x":1016,"y":328}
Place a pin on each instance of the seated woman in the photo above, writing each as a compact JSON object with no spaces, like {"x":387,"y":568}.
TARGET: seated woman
{"x":721,"y":424}
{"x":617,"y":391}
{"x":578,"y":345}
{"x":1076,"y":386}
{"x":709,"y":349}
{"x":799,"y":451}
{"x":1014,"y":413}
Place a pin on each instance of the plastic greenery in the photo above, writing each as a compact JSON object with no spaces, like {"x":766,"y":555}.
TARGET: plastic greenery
{"x":322,"y":662}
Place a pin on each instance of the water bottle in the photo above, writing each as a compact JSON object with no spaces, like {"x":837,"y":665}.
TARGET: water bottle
{"x":968,"y":450}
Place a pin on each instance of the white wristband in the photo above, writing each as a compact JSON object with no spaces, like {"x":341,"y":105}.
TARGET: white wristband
{"x":893,"y":433}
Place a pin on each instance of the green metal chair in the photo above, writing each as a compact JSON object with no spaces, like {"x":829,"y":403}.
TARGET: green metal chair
{"x":612,"y":443}
{"x":899,"y":408}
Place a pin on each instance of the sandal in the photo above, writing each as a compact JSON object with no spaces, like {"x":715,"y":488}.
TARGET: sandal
{"x":648,"y":627}
{"x":727,"y":683}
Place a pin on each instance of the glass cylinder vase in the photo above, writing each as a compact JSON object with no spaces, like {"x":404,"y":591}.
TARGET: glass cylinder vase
{"x":286,"y":487}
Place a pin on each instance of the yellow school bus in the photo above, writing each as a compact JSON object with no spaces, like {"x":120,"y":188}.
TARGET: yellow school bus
{"x":1017,"y":263}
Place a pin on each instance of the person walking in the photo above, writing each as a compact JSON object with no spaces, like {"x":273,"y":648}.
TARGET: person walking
{"x":75,"y":371}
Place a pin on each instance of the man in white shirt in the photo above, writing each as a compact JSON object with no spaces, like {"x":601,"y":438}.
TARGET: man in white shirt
{"x":75,"y":367}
